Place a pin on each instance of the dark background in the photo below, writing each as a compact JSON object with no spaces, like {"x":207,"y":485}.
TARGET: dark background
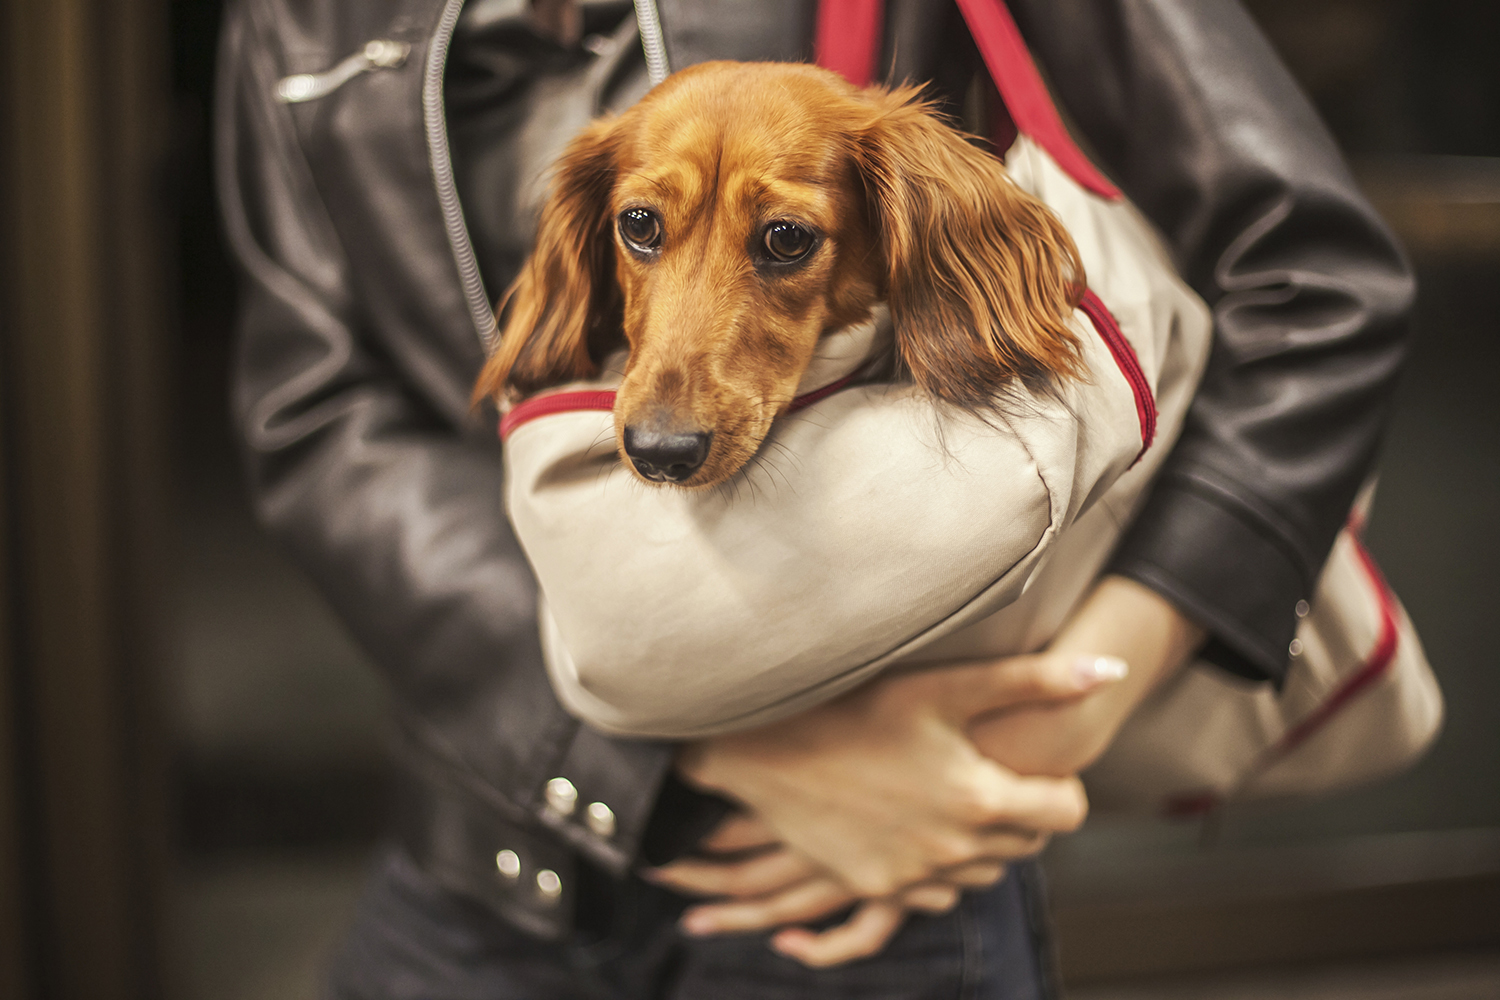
{"x":255,"y":753}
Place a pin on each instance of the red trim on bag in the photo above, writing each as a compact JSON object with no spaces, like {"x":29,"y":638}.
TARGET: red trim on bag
{"x":528,"y":410}
{"x":848,"y":38}
{"x":802,"y":402}
{"x":1187,"y":805}
{"x":1109,"y":331}
{"x":531,"y":409}
{"x":1130,"y":366}
{"x":1380,"y":660}
{"x":1190,"y":805}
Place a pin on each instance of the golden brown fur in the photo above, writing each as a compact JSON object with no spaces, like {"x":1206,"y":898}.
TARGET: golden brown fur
{"x":981,"y":279}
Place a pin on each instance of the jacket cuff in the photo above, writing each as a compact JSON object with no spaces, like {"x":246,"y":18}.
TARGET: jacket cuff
{"x":600,"y":795}
{"x":1216,"y":562}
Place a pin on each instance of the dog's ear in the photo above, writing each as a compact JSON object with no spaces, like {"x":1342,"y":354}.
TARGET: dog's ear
{"x":564,"y":304}
{"x":981,"y":278}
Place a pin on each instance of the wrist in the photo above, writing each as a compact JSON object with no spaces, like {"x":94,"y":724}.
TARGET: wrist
{"x":1122,"y":618}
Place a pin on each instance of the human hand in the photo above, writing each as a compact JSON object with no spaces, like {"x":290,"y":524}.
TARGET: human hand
{"x":883,"y":788}
{"x":761,"y":884}
{"x":1049,"y":733}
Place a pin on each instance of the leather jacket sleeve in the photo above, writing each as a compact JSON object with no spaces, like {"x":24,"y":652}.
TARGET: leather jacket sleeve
{"x":1185,"y":103}
{"x":350,"y":385}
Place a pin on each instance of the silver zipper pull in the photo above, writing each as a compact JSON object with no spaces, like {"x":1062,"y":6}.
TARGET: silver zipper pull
{"x":379,"y":54}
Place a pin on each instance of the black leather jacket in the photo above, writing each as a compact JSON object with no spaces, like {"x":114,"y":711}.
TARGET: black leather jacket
{"x":364,"y":307}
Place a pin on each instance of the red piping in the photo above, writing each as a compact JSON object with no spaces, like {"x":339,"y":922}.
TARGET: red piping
{"x":1129,"y":365}
{"x":528,"y":410}
{"x":1379,"y":662}
{"x":531,"y":409}
{"x":802,"y":402}
{"x":1109,"y":331}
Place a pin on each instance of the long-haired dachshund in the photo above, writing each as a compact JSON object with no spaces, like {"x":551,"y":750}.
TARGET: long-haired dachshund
{"x":739,"y":212}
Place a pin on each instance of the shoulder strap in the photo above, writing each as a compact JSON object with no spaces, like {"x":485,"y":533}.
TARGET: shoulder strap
{"x":848,"y":41}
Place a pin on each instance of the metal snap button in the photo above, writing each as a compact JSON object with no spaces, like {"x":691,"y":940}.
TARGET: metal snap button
{"x":562,"y":797}
{"x":548,"y":883}
{"x":601,"y":819}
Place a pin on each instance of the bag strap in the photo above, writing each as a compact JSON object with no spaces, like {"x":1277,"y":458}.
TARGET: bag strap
{"x":848,"y":39}
{"x":848,"y":42}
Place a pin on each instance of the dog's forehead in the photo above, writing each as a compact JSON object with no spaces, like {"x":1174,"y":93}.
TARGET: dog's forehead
{"x":777,"y":120}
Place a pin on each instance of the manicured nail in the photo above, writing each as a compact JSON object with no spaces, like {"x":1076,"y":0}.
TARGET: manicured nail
{"x":1091,"y":670}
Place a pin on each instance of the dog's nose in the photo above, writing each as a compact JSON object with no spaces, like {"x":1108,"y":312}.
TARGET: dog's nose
{"x":666,"y":458}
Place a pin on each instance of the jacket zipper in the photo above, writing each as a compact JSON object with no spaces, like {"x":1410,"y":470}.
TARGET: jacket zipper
{"x":480,"y":310}
{"x":648,"y":22}
{"x":379,"y":54}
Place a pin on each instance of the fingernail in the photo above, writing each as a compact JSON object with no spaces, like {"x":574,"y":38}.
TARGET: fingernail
{"x":1091,"y":670}
{"x":697,"y":923}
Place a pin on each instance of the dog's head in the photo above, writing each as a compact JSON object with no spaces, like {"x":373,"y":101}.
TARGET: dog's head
{"x":739,"y":212}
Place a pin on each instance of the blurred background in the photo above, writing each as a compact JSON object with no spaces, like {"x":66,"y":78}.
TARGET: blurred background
{"x":191,"y":750}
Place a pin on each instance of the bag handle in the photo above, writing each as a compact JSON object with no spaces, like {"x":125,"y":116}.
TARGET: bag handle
{"x":848,"y":42}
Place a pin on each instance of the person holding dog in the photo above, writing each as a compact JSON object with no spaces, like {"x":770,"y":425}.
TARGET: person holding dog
{"x":535,"y":857}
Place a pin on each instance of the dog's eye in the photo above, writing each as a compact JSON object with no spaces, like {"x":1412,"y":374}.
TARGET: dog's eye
{"x":641,"y":228}
{"x":788,"y":242}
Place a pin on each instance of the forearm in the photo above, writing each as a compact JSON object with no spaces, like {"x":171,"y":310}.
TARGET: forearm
{"x":1121,"y":619}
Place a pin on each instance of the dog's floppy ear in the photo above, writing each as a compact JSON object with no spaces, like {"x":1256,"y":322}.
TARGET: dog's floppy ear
{"x":564,"y":303}
{"x":981,"y":278}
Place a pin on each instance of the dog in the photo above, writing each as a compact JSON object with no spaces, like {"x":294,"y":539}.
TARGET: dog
{"x":741,"y":211}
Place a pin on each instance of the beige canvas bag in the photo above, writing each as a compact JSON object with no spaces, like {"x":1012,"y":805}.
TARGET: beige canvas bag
{"x":874,"y":529}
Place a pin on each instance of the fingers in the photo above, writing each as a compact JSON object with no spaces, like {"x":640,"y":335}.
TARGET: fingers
{"x":1010,"y":845}
{"x":809,"y":900}
{"x":930,"y":897}
{"x":861,"y":936}
{"x":974,"y":689}
{"x":740,"y":832}
{"x":757,"y":876}
{"x":977,"y":875}
{"x":876,"y":921}
{"x":942,"y":893}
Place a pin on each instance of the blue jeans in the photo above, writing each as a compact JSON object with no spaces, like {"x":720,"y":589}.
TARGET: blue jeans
{"x":413,"y":940}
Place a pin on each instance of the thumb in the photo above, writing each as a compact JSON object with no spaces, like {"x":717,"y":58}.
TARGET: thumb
{"x":972,"y":689}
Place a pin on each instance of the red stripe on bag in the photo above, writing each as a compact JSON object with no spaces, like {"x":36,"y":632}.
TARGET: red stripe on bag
{"x":1109,"y":331}
{"x":1382,"y":657}
{"x":1379,"y":662}
{"x":1129,"y":364}
{"x":531,"y":409}
{"x":528,"y":410}
{"x":848,"y":38}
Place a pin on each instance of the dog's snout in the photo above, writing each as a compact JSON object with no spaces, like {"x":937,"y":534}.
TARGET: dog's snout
{"x":666,"y":457}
